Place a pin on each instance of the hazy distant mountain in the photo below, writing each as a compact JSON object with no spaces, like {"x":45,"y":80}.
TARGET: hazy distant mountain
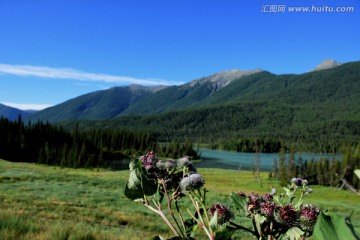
{"x":96,"y":105}
{"x":13,"y":113}
{"x":326,"y":64}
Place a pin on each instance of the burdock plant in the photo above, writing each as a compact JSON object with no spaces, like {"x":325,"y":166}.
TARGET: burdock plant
{"x":153,"y":181}
{"x":283,"y":216}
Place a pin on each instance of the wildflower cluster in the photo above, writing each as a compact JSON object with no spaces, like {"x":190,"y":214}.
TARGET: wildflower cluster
{"x":152,"y":180}
{"x":176,"y":175}
{"x":276,"y":215}
{"x":273,"y":215}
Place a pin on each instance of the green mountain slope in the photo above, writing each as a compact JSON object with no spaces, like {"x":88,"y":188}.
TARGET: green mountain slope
{"x":336,"y":85}
{"x":331,"y":86}
{"x":318,"y":108}
{"x":321,"y":107}
{"x":187,"y":95}
{"x":96,"y":105}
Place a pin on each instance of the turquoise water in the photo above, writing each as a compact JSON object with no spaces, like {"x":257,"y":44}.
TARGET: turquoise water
{"x":244,"y":161}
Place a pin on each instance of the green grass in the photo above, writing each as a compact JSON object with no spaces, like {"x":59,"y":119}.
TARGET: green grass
{"x":42,"y":202}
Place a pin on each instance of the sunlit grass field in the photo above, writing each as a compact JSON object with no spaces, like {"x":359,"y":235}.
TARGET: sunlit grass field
{"x":42,"y":202}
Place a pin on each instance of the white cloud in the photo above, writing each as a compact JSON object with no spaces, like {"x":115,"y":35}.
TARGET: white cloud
{"x":69,"y":73}
{"x":27,"y":106}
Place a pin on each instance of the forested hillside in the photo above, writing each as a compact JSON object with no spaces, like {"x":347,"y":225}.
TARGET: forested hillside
{"x":317,"y":111}
{"x":102,"y":147}
{"x":103,"y":104}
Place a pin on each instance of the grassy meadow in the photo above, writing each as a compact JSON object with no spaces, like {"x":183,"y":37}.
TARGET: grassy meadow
{"x":42,"y":202}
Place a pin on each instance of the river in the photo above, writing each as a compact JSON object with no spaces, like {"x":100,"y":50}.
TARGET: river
{"x":244,"y":161}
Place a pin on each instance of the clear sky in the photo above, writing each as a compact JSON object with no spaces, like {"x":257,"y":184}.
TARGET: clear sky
{"x":52,"y":51}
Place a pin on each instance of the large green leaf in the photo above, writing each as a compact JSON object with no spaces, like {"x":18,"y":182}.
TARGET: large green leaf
{"x":293,"y":233}
{"x":224,"y":233}
{"x":357,"y":172}
{"x":139,"y":184}
{"x":240,"y":203}
{"x":191,"y":226}
{"x":332,"y":226}
{"x":214,"y":222}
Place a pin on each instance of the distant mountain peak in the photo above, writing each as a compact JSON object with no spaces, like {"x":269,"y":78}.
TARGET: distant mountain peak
{"x":223,"y":78}
{"x":326,"y":64}
{"x":137,"y":87}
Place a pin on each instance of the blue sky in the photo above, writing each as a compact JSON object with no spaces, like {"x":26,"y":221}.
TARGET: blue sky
{"x":52,"y":51}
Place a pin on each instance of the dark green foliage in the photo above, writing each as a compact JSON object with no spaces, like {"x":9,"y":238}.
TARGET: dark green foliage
{"x":48,"y":144}
{"x":325,"y":171}
{"x":100,"y":147}
{"x":314,"y":112}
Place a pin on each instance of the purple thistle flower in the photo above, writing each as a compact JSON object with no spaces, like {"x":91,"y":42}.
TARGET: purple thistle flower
{"x":170,"y":164}
{"x":308,"y":216}
{"x":149,"y":159}
{"x":192,"y":182}
{"x":160,"y":165}
{"x":267,"y":197}
{"x":253,"y":202}
{"x":267,"y":208}
{"x":242,"y":194}
{"x":223,"y":214}
{"x":184,"y":162}
{"x":297,"y":181}
{"x":288,"y":215}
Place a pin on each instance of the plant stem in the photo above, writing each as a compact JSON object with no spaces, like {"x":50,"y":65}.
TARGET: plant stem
{"x":163,"y":216}
{"x":256,"y":232}
{"x":169,"y":200}
{"x":243,"y":228}
{"x":180,"y":216}
{"x":203,"y":225}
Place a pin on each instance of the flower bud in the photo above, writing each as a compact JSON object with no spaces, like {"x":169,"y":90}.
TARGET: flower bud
{"x":160,"y":165}
{"x":267,"y":197}
{"x":267,"y":208}
{"x":183,"y":162}
{"x":308,"y":216}
{"x":297,"y":181}
{"x":224,"y":215}
{"x":273,"y":192}
{"x":242,"y":194}
{"x":288,"y":215}
{"x":170,"y":164}
{"x":192,"y":182}
{"x":305,"y":182}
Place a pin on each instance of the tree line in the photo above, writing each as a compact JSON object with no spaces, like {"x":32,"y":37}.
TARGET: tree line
{"x":325,"y":171}
{"x":99,"y":147}
{"x":318,"y":128}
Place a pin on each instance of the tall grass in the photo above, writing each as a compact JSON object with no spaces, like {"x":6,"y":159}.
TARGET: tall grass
{"x":41,"y":202}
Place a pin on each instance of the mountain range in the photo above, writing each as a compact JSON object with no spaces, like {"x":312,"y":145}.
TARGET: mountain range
{"x":330,"y":82}
{"x":326,"y":98}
